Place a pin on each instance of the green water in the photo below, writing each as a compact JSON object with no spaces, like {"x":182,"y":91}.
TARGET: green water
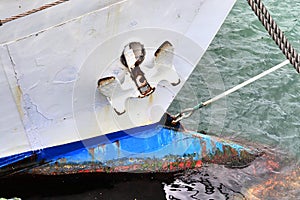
{"x":267,"y":111}
{"x":263,"y":115}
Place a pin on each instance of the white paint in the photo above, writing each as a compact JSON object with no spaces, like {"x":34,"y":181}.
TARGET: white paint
{"x":44,"y":19}
{"x":13,"y":137}
{"x":66,"y":75}
{"x":57,"y":56}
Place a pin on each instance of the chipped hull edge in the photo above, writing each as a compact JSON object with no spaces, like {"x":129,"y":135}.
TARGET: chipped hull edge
{"x":151,"y":148}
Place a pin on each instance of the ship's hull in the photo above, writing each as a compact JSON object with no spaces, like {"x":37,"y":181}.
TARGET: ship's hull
{"x":52,"y":60}
{"x":152,"y":148}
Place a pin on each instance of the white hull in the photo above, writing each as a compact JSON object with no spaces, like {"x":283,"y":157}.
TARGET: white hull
{"x":50,"y":63}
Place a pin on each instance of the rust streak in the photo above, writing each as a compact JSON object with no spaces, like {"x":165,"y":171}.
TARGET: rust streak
{"x":162,"y":47}
{"x":151,"y":99}
{"x":118,"y":143}
{"x":105,"y":81}
{"x":203,"y":145}
{"x":19,"y":95}
{"x":92,"y":153}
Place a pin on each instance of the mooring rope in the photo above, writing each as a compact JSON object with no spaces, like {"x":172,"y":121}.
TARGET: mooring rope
{"x":274,"y":31}
{"x":277,"y":35}
{"x":46,"y":6}
{"x":189,"y":111}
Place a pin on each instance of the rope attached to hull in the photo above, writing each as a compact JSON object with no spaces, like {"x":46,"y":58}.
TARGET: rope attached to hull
{"x":277,"y":35}
{"x":189,"y":111}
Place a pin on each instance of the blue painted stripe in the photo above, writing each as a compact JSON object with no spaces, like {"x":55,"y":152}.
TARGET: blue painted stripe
{"x":134,"y":146}
{"x":51,"y":153}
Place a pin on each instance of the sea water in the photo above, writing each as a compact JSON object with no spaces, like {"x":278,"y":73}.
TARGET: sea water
{"x":264,"y":114}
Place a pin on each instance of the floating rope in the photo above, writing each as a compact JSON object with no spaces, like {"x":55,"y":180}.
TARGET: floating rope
{"x":274,"y":31}
{"x":46,"y":6}
{"x":189,"y":111}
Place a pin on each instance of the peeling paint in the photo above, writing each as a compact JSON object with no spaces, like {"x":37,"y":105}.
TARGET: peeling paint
{"x":92,"y":153}
{"x":151,"y":99}
{"x":28,"y":52}
{"x":119,"y":156}
{"x":34,"y":119}
{"x":114,"y":158}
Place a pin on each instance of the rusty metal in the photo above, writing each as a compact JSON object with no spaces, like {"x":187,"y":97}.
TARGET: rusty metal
{"x":166,"y":51}
{"x":162,"y":48}
{"x":132,"y":57}
{"x":105,"y":81}
{"x":159,"y":150}
{"x":230,"y":159}
{"x":213,"y":151}
{"x":23,"y":163}
{"x":130,"y":77}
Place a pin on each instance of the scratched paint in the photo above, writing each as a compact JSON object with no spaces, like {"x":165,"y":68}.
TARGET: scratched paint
{"x":165,"y":151}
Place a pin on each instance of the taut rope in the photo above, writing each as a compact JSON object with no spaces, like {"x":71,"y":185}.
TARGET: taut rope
{"x":274,"y":31}
{"x":277,"y":35}
{"x":189,"y":111}
{"x":46,"y":6}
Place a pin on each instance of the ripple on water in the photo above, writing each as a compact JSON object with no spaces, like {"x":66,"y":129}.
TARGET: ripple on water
{"x":271,"y":176}
{"x":263,"y":113}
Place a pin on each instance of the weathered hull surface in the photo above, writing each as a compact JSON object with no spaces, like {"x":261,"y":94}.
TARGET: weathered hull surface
{"x":152,"y":148}
{"x":51,"y":61}
{"x":76,"y":100}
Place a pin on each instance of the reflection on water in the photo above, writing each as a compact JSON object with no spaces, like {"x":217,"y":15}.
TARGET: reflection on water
{"x":273,"y":176}
{"x":205,"y":186}
{"x":265,"y":112}
{"x":279,"y":186}
{"x":270,"y":177}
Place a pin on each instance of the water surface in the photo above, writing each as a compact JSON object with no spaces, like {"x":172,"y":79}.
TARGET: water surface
{"x":263,"y":115}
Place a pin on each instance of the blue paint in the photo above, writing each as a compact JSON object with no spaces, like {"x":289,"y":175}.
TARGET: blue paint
{"x":238,"y":148}
{"x":194,"y":149}
{"x":146,"y":144}
{"x":219,"y":146}
{"x":56,"y":152}
{"x":15,"y":158}
{"x":208,"y":144}
{"x":133,"y":146}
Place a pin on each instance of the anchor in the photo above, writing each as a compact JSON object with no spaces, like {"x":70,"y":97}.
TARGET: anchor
{"x":133,"y":80}
{"x":133,"y":55}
